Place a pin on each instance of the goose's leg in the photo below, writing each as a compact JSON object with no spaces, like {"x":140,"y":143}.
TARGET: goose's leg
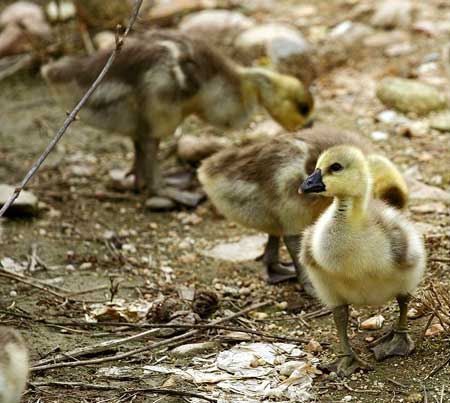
{"x":146,"y":167}
{"x":398,"y":341}
{"x":148,"y":176}
{"x":277,"y":272}
{"x":293,"y":243}
{"x":348,"y":362}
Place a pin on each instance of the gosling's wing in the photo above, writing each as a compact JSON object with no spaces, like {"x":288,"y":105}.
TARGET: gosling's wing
{"x":406,"y":244}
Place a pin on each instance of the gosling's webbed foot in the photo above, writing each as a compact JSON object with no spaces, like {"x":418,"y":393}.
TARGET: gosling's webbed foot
{"x":180,"y":179}
{"x":393,"y":343}
{"x":345,"y":365}
{"x":167,"y":199}
{"x":279,"y":272}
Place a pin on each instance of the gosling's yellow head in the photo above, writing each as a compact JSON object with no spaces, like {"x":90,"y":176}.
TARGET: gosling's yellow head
{"x":287,"y":100}
{"x":341,"y":171}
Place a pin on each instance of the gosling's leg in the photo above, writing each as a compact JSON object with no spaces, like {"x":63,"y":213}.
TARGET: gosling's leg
{"x":148,"y":176}
{"x":277,"y":271}
{"x":146,"y":167}
{"x":293,"y":243}
{"x":348,"y":362}
{"x":398,"y":341}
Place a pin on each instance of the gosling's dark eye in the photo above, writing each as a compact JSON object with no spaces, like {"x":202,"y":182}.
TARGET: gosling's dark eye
{"x":336,"y":167}
{"x":303,"y":109}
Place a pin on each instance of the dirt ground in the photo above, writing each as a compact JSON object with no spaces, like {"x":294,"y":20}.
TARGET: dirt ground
{"x":69,"y":236}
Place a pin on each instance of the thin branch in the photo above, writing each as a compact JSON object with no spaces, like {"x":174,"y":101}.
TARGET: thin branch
{"x":161,"y":391}
{"x":96,"y":348}
{"x":438,"y":368}
{"x":74,"y":113}
{"x":47,"y":289}
{"x":148,"y":347}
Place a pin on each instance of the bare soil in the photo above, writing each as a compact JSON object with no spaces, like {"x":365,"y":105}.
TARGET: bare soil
{"x":70,"y":233}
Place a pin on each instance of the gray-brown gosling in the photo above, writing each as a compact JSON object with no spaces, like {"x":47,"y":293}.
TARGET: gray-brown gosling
{"x":13,"y":365}
{"x":160,"y":79}
{"x":256,"y":186}
{"x":360,"y":251}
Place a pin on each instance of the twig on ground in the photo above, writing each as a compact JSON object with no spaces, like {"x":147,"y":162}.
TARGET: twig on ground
{"x":120,"y":38}
{"x":347,"y":386}
{"x":99,"y":194}
{"x":148,"y":347}
{"x":124,"y":325}
{"x":96,"y":348}
{"x":37,"y":284}
{"x":163,"y":391}
{"x":397,"y":383}
{"x":422,"y":336}
{"x":438,"y":368}
{"x":20,"y":62}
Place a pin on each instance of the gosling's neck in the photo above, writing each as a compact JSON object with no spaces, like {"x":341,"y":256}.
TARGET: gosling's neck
{"x":251,"y":79}
{"x":350,"y":210}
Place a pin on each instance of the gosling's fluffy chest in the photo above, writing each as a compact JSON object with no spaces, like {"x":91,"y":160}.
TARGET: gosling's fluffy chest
{"x":355,"y":264}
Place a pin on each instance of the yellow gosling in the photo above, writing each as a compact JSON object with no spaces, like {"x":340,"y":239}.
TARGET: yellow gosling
{"x":256,"y":186}
{"x":13,"y":365}
{"x":360,"y":251}
{"x":162,"y":77}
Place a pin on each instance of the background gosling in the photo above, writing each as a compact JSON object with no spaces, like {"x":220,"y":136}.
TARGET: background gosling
{"x":256,"y":186}
{"x":160,"y":79}
{"x":360,"y":251}
{"x":13,"y":365}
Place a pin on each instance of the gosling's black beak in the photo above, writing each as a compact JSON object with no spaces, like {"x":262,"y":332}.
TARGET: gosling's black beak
{"x":313,"y":183}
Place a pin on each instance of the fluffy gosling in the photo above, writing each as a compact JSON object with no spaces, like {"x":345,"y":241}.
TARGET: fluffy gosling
{"x":256,"y":186}
{"x":13,"y":365}
{"x":360,"y":251}
{"x":161,"y":78}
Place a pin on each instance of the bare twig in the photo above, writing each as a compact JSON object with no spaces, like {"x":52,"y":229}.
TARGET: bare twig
{"x":148,"y":347}
{"x":74,"y":113}
{"x":161,"y":391}
{"x":96,"y":348}
{"x":22,"y":61}
{"x":36,"y":284}
{"x":438,"y":368}
{"x":123,"y":326}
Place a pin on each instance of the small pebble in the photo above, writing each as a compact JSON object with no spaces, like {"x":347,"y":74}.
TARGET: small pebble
{"x":379,"y":136}
{"x":434,"y":329}
{"x":373,"y":323}
{"x":313,"y":346}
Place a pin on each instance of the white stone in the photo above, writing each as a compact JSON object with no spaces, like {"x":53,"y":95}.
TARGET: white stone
{"x":379,"y":136}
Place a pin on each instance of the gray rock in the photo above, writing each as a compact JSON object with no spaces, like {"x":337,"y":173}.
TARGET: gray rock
{"x":25,"y":205}
{"x":392,"y":14}
{"x":220,"y":27}
{"x":382,"y":39}
{"x":422,"y":191}
{"x":287,"y":49}
{"x":157,"y":203}
{"x":410,"y":95}
{"x":196,"y":148}
{"x":441,"y":121}
{"x":189,"y":350}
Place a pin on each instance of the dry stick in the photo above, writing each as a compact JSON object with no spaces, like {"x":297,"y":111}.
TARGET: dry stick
{"x":31,"y":283}
{"x":438,"y":368}
{"x":74,"y":113}
{"x":151,"y":346}
{"x":123,"y":326}
{"x":96,"y":348}
{"x":161,"y":391}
